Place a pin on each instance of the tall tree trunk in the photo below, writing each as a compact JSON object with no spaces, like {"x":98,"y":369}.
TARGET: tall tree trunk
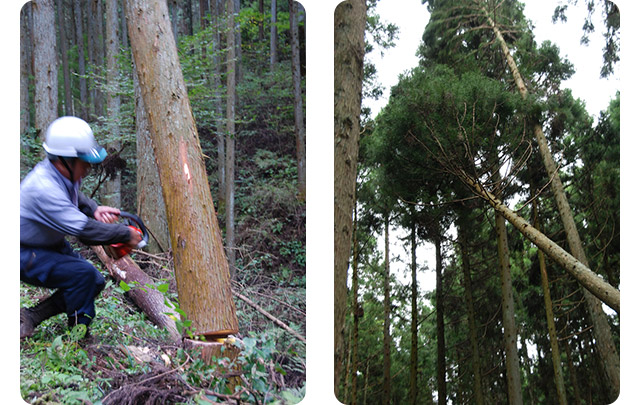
{"x":202,"y":271}
{"x":96,"y":44}
{"x":124,"y":37}
{"x":577,"y":398}
{"x":149,"y":190}
{"x":273,"y":48}
{"x":25,"y":66}
{"x":601,"y":330}
{"x":64,"y":56}
{"x":45,"y":64}
{"x":297,"y":101}
{"x":230,"y":141}
{"x":357,"y":313}
{"x":413,"y":364}
{"x":441,"y":361}
{"x":218,"y":49}
{"x":349,"y":26}
{"x":82,"y":81}
{"x":548,"y":306}
{"x":386,"y":338}
{"x":112,"y":187}
{"x":508,"y":312}
{"x":473,"y":334}
{"x":261,"y":20}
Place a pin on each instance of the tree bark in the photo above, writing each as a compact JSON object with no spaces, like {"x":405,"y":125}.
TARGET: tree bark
{"x":45,"y":64}
{"x":473,"y":334}
{"x":349,"y":26}
{"x":112,"y":187}
{"x":202,"y":272}
{"x":548,"y":306}
{"x":441,"y":361}
{"x":386,"y":338}
{"x":508,"y":315}
{"x":149,"y":300}
{"x":229,"y":206}
{"x":602,"y":332}
{"x":218,"y":18}
{"x":273,"y":41}
{"x":96,"y":46}
{"x":82,"y":81}
{"x":149,"y":190}
{"x":64,"y":56}
{"x":297,"y":101}
{"x":413,"y":364}
{"x":25,"y":66}
{"x":357,"y":313}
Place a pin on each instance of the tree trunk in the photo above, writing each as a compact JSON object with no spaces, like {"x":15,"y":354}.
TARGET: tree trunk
{"x":261,"y":20}
{"x":45,"y":64}
{"x":229,"y":206}
{"x":202,"y":272}
{"x":508,"y":315}
{"x":218,"y":15}
{"x":25,"y":66}
{"x":82,"y":81}
{"x":96,"y":44}
{"x":441,"y":361}
{"x":64,"y":56}
{"x":112,"y":187}
{"x":413,"y":365}
{"x":357,"y":313}
{"x":601,"y":330}
{"x":149,"y":190}
{"x":297,"y":101}
{"x":149,"y":300}
{"x":588,"y":279}
{"x":473,"y":334}
{"x":548,"y":306}
{"x":386,"y":338}
{"x":273,"y":48}
{"x":349,"y":26}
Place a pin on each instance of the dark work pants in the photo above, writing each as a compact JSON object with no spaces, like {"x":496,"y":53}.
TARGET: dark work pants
{"x":65,"y":270}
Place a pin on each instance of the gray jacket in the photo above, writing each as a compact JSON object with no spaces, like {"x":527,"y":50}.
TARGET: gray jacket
{"x":51,"y":207}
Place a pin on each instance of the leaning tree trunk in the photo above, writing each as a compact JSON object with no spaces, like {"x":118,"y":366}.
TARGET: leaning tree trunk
{"x":588,"y":279}
{"x":202,"y":272}
{"x":607,"y":351}
{"x":45,"y":64}
{"x":297,"y":100}
{"x":349,"y":26}
{"x":551,"y":324}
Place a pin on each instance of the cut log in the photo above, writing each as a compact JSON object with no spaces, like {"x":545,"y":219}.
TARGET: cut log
{"x":149,"y":300}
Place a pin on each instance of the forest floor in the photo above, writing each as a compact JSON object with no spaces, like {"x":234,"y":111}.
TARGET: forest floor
{"x":128,"y":360}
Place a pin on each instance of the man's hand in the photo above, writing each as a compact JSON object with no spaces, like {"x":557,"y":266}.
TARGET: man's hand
{"x":136,"y":238}
{"x":108,"y":215}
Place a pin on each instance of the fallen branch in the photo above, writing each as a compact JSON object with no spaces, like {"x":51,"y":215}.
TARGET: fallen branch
{"x":271,"y":317}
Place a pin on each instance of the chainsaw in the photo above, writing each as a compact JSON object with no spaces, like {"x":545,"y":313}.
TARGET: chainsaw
{"x":118,"y":250}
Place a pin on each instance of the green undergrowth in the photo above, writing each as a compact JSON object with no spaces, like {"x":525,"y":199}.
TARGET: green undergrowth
{"x":60,"y":365}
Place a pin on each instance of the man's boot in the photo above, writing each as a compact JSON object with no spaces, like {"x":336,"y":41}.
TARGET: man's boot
{"x":45,"y":309}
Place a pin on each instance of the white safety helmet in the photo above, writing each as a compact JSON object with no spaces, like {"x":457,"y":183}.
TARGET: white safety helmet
{"x":72,"y":137}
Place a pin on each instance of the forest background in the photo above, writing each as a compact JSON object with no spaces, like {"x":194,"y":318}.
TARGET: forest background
{"x":319,"y":207}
